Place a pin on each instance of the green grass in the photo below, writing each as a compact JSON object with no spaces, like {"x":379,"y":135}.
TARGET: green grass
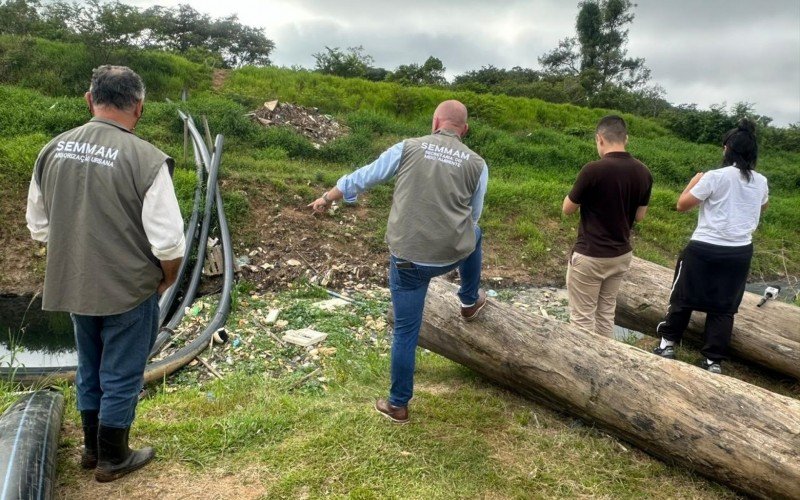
{"x":321,"y":437}
{"x":64,"y":69}
{"x":534,"y":150}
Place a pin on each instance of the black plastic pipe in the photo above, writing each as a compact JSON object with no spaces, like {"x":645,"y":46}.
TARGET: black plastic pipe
{"x":202,"y":156}
{"x":165,"y":303}
{"x":28,"y":444}
{"x":164,"y":367}
{"x":159,"y":369}
{"x":202,"y":241}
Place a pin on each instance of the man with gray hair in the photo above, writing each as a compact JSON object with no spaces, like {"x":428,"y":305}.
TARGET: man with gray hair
{"x":103,"y":201}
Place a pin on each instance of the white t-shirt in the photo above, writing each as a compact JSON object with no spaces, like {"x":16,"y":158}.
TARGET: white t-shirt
{"x":730,"y":208}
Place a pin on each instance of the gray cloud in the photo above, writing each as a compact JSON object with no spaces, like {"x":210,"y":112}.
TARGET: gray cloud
{"x":704,"y":52}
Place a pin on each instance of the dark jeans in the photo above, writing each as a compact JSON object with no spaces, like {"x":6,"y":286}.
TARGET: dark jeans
{"x":717,"y":334}
{"x":408,"y":284}
{"x":112,"y":354}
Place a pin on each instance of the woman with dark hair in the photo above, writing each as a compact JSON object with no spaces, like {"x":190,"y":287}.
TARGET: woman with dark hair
{"x":712,"y":270}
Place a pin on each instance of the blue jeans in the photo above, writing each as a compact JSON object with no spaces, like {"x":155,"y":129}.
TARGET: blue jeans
{"x":408,"y":283}
{"x":112,"y":354}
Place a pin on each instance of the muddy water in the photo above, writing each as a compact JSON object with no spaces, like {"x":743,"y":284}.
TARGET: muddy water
{"x":30,"y":337}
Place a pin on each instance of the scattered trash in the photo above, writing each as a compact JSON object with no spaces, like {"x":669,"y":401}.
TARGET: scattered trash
{"x":272,"y":316}
{"x":309,"y":122}
{"x":491,"y":293}
{"x":304,"y":337}
{"x":236,"y":342}
{"x":214,"y":261}
{"x":242,"y":261}
{"x":220,"y":336}
{"x":293,"y":262}
{"x":331,"y":304}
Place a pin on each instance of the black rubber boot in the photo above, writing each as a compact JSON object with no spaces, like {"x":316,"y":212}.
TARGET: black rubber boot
{"x":115,"y":459}
{"x":90,"y":425}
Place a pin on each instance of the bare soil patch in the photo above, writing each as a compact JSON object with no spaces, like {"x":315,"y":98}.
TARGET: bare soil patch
{"x":21,"y":259}
{"x":282,"y":243}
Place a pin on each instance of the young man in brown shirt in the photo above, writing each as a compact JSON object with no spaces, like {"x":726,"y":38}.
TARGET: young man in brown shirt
{"x":611,"y":194}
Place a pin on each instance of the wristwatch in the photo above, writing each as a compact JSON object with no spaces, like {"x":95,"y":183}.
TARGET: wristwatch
{"x":325,"y":197}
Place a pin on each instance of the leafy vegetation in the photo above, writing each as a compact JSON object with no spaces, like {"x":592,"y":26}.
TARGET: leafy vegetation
{"x":106,"y":27}
{"x":311,"y":431}
{"x":534,"y":150}
{"x":319,"y":435}
{"x":29,"y":62}
{"x":597,"y":54}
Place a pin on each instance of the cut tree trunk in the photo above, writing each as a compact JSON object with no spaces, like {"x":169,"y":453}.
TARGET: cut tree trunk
{"x":767,"y":335}
{"x":736,"y":433}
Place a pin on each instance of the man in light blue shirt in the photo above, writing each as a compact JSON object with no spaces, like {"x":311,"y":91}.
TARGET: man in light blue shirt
{"x":432,"y":229}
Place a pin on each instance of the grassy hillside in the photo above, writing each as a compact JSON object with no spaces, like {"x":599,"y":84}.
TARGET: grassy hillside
{"x":64,"y":69}
{"x":534,"y":150}
{"x":276,"y":428}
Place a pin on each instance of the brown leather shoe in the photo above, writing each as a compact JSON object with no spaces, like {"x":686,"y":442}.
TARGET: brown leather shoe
{"x":397,"y":414}
{"x":471,"y":312}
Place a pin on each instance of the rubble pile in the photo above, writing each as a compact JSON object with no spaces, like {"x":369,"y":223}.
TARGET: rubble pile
{"x":319,"y":128}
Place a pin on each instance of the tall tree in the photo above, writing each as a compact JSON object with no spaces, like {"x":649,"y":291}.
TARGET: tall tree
{"x":600,"y":48}
{"x":355,"y":63}
{"x":430,"y":73}
{"x":110,"y":25}
{"x":20,"y":17}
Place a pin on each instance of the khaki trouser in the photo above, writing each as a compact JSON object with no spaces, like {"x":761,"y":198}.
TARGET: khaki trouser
{"x":592,"y":284}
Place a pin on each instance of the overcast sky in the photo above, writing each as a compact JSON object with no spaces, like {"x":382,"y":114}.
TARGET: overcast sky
{"x":701,"y":51}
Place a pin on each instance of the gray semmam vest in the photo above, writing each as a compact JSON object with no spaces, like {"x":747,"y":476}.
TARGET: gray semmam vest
{"x":93,"y":180}
{"x":431,"y":216}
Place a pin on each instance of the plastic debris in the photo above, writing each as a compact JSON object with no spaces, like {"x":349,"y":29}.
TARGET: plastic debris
{"x":491,"y":293}
{"x":304,"y":337}
{"x":331,"y":304}
{"x":272,"y":316}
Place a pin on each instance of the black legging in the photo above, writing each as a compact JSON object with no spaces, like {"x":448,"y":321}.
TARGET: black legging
{"x":717,"y":331}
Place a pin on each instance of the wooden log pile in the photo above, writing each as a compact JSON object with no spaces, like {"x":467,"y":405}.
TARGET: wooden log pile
{"x":733,"y":432}
{"x":767,"y":335}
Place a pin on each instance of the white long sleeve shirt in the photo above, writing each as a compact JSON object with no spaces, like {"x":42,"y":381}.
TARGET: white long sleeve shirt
{"x":161,"y":216}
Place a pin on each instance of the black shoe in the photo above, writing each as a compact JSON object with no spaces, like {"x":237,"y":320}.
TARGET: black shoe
{"x":667,"y":352}
{"x":713,"y":367}
{"x":115,"y":459}
{"x":90,"y":424}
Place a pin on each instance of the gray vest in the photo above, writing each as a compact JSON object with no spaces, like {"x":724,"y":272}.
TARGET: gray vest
{"x":93,"y":180}
{"x":431,"y":216}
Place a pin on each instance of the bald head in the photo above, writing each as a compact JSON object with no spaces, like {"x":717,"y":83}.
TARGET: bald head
{"x":451,"y":115}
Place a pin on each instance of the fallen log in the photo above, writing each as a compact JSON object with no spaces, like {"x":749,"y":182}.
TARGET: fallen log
{"x":767,"y":335}
{"x":733,"y":432}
